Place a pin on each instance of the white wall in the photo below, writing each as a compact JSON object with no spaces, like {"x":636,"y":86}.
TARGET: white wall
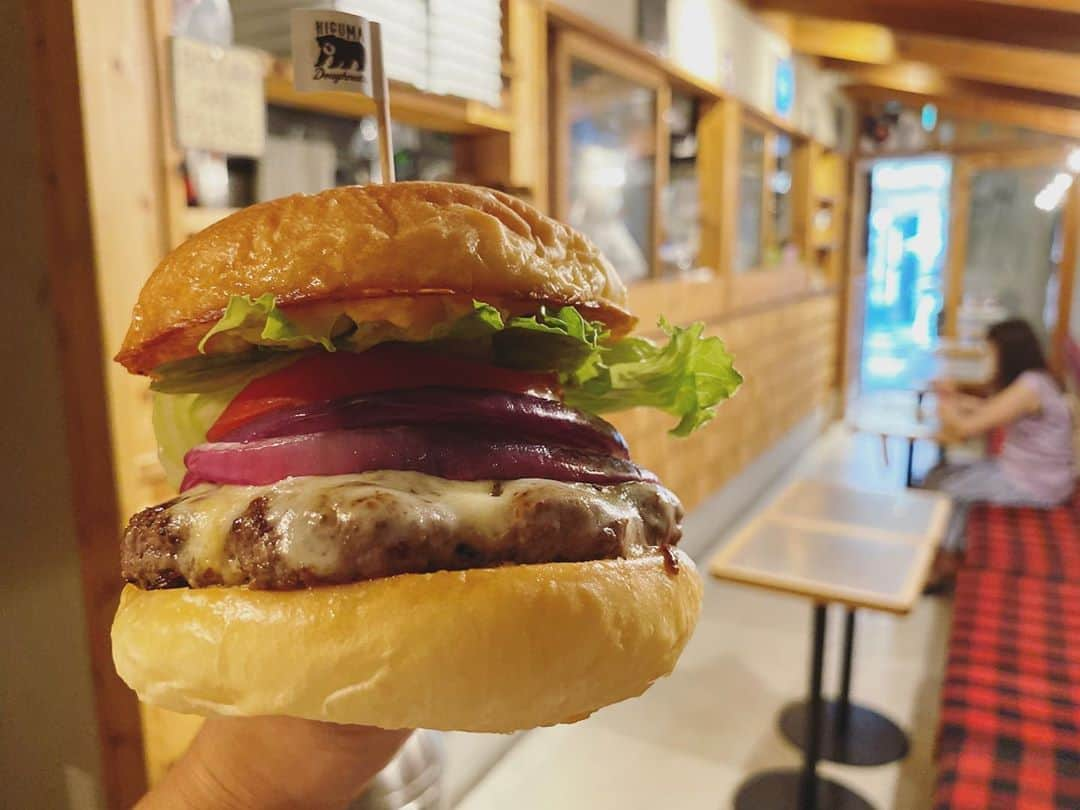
{"x":818,"y":99}
{"x":619,"y":16}
{"x":1009,"y":239}
{"x":725,"y":43}
{"x":49,"y":755}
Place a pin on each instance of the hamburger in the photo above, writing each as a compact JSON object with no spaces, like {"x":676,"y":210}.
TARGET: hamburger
{"x":399,"y":504}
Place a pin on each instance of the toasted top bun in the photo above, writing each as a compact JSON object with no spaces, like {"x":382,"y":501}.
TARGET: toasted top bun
{"x":490,"y":649}
{"x":359,"y":243}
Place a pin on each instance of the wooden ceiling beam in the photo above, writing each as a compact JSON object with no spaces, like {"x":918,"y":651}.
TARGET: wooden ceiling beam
{"x":1028,"y":24}
{"x":1009,"y":65}
{"x":1046,"y":5}
{"x":838,"y":39}
{"x":919,"y":84}
{"x":921,"y":78}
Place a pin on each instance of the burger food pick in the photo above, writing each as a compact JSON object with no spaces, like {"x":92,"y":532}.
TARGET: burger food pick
{"x":399,"y":503}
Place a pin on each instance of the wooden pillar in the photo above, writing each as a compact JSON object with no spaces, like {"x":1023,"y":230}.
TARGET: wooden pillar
{"x":528,"y":46}
{"x":98,"y":131}
{"x":718,"y":175}
{"x":99,"y":122}
{"x":1070,"y":254}
{"x":805,"y":156}
{"x":661,"y":174}
{"x":853,"y":284}
{"x":956,"y":260}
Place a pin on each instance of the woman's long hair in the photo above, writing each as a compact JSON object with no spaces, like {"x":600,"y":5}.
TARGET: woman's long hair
{"x":1018,"y":350}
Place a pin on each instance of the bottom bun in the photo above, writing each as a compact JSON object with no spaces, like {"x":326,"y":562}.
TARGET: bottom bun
{"x":491,"y":649}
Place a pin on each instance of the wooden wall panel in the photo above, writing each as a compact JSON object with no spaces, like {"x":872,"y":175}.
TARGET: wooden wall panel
{"x":98,"y":115}
{"x":787,"y":355}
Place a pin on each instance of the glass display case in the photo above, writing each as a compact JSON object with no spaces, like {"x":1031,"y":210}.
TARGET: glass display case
{"x":781,"y":232}
{"x":749,"y":253}
{"x":769,"y":184}
{"x":611,"y":153}
{"x":681,"y":200}
{"x":307,"y":152}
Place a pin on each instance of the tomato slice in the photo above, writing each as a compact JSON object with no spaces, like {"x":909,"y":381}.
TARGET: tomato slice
{"x":324,"y":376}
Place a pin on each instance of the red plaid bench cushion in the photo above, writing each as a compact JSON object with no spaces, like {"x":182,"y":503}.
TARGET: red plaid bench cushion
{"x":1018,"y":709}
{"x":996,"y":775}
{"x":1036,"y":616}
{"x":1028,"y":542}
{"x":1010,"y":720}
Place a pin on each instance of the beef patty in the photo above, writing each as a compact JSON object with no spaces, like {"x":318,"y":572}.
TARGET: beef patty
{"x":321,"y":530}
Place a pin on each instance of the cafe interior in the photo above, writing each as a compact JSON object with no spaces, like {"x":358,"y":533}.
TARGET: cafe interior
{"x":852,"y":195}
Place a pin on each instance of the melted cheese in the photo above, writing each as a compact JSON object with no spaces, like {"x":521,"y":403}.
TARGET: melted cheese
{"x":307,"y":512}
{"x":208,"y":513}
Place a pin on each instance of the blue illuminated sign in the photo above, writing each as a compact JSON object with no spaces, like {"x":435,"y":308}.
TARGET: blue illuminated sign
{"x":785,"y":86}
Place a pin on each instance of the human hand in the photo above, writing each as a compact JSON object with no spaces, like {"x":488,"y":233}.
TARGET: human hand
{"x":274,"y":763}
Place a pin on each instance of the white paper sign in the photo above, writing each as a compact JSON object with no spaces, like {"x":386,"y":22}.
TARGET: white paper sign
{"x":219,"y":97}
{"x":331,"y":50}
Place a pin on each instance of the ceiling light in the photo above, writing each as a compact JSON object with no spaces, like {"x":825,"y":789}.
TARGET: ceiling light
{"x":1074,"y":160}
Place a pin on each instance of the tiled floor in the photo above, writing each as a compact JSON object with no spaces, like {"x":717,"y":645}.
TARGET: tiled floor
{"x":694,"y":737}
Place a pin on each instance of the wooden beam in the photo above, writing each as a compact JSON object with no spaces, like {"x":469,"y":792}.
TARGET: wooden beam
{"x":780,"y":23}
{"x":919,"y":84}
{"x":997,"y":64}
{"x":905,"y":77}
{"x":1008,"y":65}
{"x":407,"y":105}
{"x":1047,"y":5}
{"x":850,"y":41}
{"x":1028,"y":24}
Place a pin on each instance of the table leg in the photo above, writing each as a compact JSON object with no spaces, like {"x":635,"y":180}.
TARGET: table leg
{"x":908,"y":478}
{"x":812,"y":752}
{"x":803,"y":789}
{"x":844,"y":699}
{"x":849,"y":733}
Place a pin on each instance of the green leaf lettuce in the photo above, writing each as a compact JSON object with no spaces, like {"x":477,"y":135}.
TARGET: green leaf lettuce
{"x":260,"y":322}
{"x":687,"y":376}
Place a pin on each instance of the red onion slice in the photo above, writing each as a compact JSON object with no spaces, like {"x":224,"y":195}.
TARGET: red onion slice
{"x":518,"y":417}
{"x":446,"y":454}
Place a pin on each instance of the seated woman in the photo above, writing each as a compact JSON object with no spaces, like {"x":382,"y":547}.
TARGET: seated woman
{"x":1035,"y":466}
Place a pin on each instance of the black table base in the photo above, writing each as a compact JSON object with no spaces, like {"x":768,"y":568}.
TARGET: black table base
{"x":864,"y":737}
{"x":850,"y":734}
{"x":804,"y":789}
{"x":782,"y":790}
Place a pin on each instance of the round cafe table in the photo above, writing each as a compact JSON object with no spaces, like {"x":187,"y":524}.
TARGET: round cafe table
{"x":895,"y":414}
